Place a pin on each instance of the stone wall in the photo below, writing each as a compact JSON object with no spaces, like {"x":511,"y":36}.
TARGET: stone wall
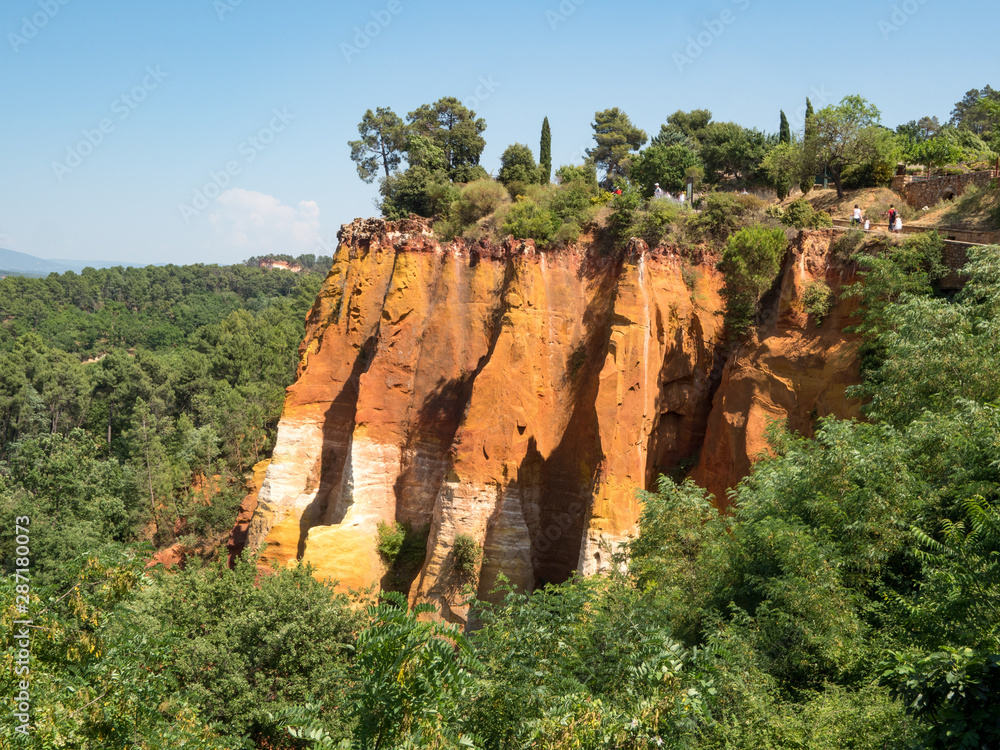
{"x":919,"y":192}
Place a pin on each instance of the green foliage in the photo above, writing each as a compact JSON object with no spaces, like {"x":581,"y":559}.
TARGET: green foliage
{"x":98,"y":678}
{"x":848,"y":135}
{"x":658,"y":222}
{"x":455,"y":130}
{"x":844,"y":246}
{"x":616,"y":139}
{"x":403,"y":550}
{"x":247,"y":645}
{"x":692,"y":124}
{"x":466,"y":555}
{"x":666,"y":165}
{"x":545,"y":154}
{"x":382,"y":142}
{"x":527,"y":220}
{"x":475,"y":201}
{"x":517,"y":166}
{"x":723,"y":213}
{"x":389,"y":540}
{"x":750,"y":261}
{"x":729,"y":150}
{"x":801,"y":214}
{"x":784,"y":131}
{"x":817,"y":299}
{"x":809,"y":153}
{"x":410,"y":676}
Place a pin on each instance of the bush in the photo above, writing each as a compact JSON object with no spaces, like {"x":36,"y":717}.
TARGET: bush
{"x":750,"y":261}
{"x":802,"y":215}
{"x":655,"y":223}
{"x":817,"y":300}
{"x":390,"y":540}
{"x":720,"y":215}
{"x":846,"y":245}
{"x":526,"y":220}
{"x":466,"y":554}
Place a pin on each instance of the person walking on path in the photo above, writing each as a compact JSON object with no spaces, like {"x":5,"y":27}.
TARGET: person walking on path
{"x":892,"y":217}
{"x":856,"y":216}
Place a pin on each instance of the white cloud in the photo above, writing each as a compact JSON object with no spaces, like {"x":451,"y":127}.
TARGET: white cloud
{"x":258,"y":224}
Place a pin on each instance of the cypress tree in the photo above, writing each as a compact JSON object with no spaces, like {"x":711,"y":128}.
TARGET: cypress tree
{"x":782,"y":184}
{"x":545,"y":154}
{"x":808,"y":177}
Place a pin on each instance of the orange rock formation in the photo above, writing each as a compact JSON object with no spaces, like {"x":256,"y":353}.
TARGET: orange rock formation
{"x":522,"y":398}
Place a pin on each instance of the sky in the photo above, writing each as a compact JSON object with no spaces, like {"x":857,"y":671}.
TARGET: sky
{"x":211,"y":131}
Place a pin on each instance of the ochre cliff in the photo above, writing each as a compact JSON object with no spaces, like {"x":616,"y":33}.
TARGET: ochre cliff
{"x":794,"y":371}
{"x":521,"y":397}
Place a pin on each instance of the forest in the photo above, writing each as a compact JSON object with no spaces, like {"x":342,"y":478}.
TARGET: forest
{"x":846,"y":599}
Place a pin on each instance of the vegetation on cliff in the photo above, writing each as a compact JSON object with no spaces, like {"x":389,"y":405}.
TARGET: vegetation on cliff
{"x":846,"y":600}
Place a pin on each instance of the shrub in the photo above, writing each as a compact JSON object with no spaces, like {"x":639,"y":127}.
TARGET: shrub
{"x":655,"y":223}
{"x":527,"y":220}
{"x":802,"y":215}
{"x":846,"y":245}
{"x":720,"y":214}
{"x":750,"y":261}
{"x":477,"y":200}
{"x":390,"y":540}
{"x":817,"y":299}
{"x":466,"y":554}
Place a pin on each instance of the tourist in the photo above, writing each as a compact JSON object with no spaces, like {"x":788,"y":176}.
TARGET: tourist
{"x":856,"y":216}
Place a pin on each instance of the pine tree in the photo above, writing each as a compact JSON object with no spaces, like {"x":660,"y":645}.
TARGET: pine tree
{"x":545,"y":154}
{"x":808,"y":176}
{"x":784,"y":132}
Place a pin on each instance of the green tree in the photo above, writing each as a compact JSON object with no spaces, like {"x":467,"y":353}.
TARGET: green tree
{"x":383,"y":138}
{"x":545,"y":154}
{"x":937,"y":152}
{"x":616,"y":139}
{"x":784,"y":131}
{"x":750,"y":262}
{"x":517,"y":166}
{"x":848,"y":135}
{"x":456,"y":131}
{"x":666,"y":165}
{"x":807,"y":161}
{"x":969,"y":113}
{"x":728,"y":149}
{"x":692,"y":123}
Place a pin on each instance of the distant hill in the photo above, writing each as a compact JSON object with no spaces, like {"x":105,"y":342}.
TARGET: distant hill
{"x":15,"y":263}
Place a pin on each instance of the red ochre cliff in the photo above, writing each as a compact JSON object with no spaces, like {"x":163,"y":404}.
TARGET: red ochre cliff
{"x":522,"y":397}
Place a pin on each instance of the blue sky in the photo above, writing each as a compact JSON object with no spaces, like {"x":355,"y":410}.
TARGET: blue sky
{"x":119,"y":113}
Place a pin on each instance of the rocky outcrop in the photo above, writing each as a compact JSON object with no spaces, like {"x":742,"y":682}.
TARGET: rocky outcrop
{"x":794,"y":371}
{"x":518,"y":397}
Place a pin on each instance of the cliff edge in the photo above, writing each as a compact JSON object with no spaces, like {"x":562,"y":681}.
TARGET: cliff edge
{"x":521,"y":398}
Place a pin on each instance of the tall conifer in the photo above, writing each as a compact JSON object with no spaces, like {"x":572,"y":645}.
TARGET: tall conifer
{"x":784,"y":132}
{"x":545,"y":154}
{"x":808,"y":177}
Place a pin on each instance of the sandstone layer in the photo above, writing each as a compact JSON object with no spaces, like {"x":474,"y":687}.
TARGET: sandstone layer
{"x":521,"y":398}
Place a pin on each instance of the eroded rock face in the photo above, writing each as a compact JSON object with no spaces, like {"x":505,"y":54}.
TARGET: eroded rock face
{"x":795,"y":371}
{"x":515,"y":396}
